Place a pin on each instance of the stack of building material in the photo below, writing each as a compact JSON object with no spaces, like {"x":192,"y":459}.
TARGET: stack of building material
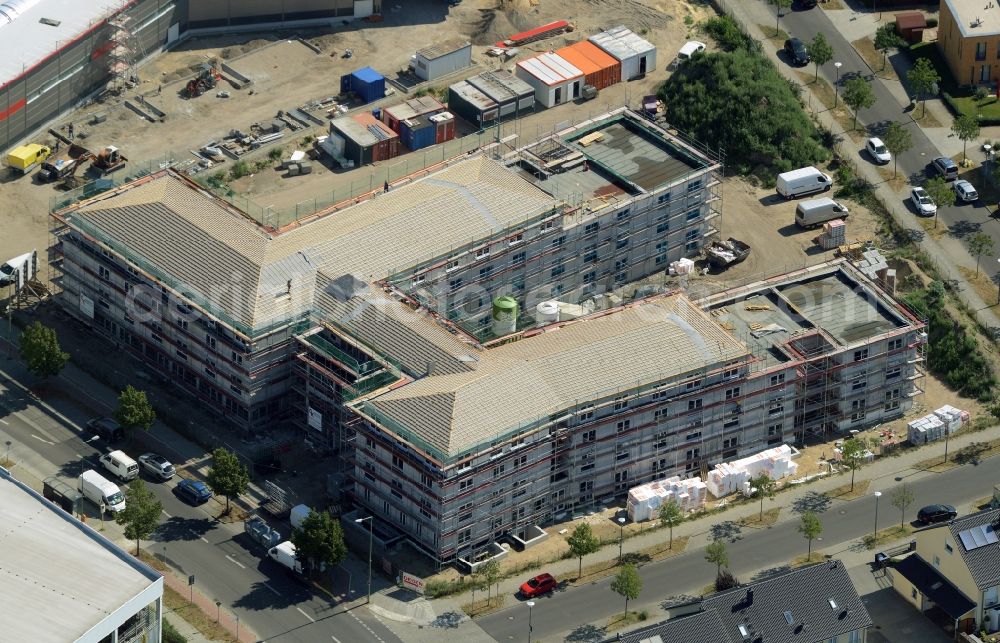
{"x":644,"y":501}
{"x":926,"y":429}
{"x":887,"y":279}
{"x":834,"y":234}
{"x":952,"y":418}
{"x":729,"y":477}
{"x":871,"y":263}
{"x":682,"y":266}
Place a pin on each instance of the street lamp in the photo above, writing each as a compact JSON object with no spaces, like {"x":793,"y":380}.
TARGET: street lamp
{"x":218,"y":610}
{"x":530,"y":604}
{"x":6,"y":457}
{"x":621,"y":538}
{"x":836,"y":85}
{"x":237,"y":628}
{"x":878,"y":494}
{"x":370,"y":522}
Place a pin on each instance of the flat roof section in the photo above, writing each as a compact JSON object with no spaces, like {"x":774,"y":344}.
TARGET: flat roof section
{"x":761,"y":322}
{"x":636,"y":155}
{"x":501,"y":85}
{"x":60,"y":577}
{"x":439,"y":49}
{"x":973,"y":20}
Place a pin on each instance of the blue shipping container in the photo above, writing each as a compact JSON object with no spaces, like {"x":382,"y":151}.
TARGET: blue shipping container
{"x":418,"y":134}
{"x":367,"y":83}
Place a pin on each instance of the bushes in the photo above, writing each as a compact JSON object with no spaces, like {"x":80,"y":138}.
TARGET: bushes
{"x":726,"y":31}
{"x":170,"y":635}
{"x":932,"y":22}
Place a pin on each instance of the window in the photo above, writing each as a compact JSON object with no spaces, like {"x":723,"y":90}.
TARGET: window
{"x":482,"y":252}
{"x":858,"y":411}
{"x":775,"y":408}
{"x":860,"y":354}
{"x":455,"y":284}
{"x":663,"y":198}
{"x":692,"y":454}
{"x":590,"y":257}
{"x":692,"y":234}
{"x":732,"y":393}
{"x":397,"y":462}
{"x":621,"y":264}
{"x":777,"y":379}
{"x":692,"y":384}
{"x":624,"y":425}
{"x":396,"y":489}
{"x":520,"y":488}
{"x":622,"y":454}
{"x":622,"y":241}
{"x":891,"y":406}
{"x":691,"y":246}
{"x":693,"y":214}
{"x":980,"y":51}
{"x":658,"y":414}
{"x":586,"y":486}
{"x":694,"y":186}
{"x":621,"y":277}
{"x":694,"y":405}
{"x":517,"y":258}
{"x":663,"y":227}
{"x":465,"y":484}
{"x":730,"y":373}
{"x":587,"y":461}
{"x":182,"y":355}
{"x":558,"y":270}
{"x":729,"y":443}
{"x":621,"y":402}
{"x":590,"y":277}
{"x":774,"y":429}
{"x":659,"y":465}
{"x":516,"y":239}
{"x":586,"y":413}
{"x":895,"y":344}
{"x":103,"y":272}
{"x":418,"y":279}
{"x":588,"y":436}
{"x":621,"y":216}
{"x":892,"y":395}
{"x":464,"y":536}
{"x":547,"y":225}
{"x":451,"y":265}
{"x":558,"y":241}
{"x":484,"y":272}
{"x":498,"y":470}
{"x":859,"y":383}
{"x":893,"y":372}
{"x":621,"y":476}
{"x":692,"y":436}
{"x":660,"y":440}
{"x":425,"y":479}
{"x":948,"y":548}
{"x":591,"y":228}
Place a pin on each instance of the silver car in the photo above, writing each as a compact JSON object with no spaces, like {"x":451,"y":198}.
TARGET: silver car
{"x":157,"y":466}
{"x":965,"y":191}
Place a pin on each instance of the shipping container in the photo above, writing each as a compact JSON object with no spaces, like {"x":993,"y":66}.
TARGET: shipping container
{"x":509,"y":92}
{"x":636,"y":55}
{"x":599,"y":68}
{"x":444,"y":127}
{"x":365,"y":139}
{"x":417,"y":133}
{"x":367,"y":83}
{"x":413,"y":108}
{"x":555,"y":81}
{"x":474,"y":106}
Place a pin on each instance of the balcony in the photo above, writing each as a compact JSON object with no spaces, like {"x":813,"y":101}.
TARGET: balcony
{"x":329,"y":350}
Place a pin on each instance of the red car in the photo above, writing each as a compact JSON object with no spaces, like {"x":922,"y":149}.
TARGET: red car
{"x":541,"y":584}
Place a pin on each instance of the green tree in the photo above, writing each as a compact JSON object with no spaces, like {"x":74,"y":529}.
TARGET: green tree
{"x":671,"y":515}
{"x":737,"y":102}
{"x":134,"y":410}
{"x":941,"y":193}
{"x":779,"y":5}
{"x":821,"y":52}
{"x":141,"y":514}
{"x":228,"y":476}
{"x":171,"y":635}
{"x":491,"y":574}
{"x":716,"y":552}
{"x":897,"y":140}
{"x":886,"y":38}
{"x":853,"y":454}
{"x":40,"y":350}
{"x":475,"y":582}
{"x":810,"y":527}
{"x":980,"y":244}
{"x":627,"y":584}
{"x":902,"y":498}
{"x":922,"y":78}
{"x":319,"y":541}
{"x":764,"y":486}
{"x":582,"y":542}
{"x":966,"y":128}
{"x":858,"y":95}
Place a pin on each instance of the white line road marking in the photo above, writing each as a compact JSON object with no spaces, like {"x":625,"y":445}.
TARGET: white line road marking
{"x":5,"y":422}
{"x":165,"y":513}
{"x":41,"y":439}
{"x":365,"y":625}
{"x":272,"y":589}
{"x":306,"y":615}
{"x":335,"y":639}
{"x":201,"y":538}
{"x":235,"y":562}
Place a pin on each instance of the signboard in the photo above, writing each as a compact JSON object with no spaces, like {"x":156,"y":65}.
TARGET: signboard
{"x":87,"y":306}
{"x":315,"y":419}
{"x":191,"y":579}
{"x":412,"y":583}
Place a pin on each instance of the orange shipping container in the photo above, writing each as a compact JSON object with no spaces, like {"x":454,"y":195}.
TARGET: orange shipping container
{"x":600,"y":69}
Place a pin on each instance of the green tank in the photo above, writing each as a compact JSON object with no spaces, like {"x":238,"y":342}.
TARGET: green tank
{"x":504,"y":315}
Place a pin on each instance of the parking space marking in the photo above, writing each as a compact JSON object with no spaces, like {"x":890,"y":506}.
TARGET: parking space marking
{"x":41,"y":439}
{"x":165,"y":513}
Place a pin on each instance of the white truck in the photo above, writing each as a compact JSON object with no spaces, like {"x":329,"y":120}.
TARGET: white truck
{"x":284,"y":555}
{"x":101,"y":491}
{"x":805,"y":180}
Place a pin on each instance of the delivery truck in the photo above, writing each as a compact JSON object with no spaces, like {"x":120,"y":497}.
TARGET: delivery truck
{"x":284,"y":555}
{"x":816,"y":212}
{"x":101,"y":491}
{"x":25,"y":158}
{"x":806,"y":180}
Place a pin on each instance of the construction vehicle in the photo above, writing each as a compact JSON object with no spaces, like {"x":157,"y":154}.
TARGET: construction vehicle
{"x":207,"y":79}
{"x":25,"y":158}
{"x":108,"y":160}
{"x":65,"y":164}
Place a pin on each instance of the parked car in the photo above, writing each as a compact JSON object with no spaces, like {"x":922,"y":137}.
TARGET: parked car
{"x":689,"y":49}
{"x":539,"y":585}
{"x":965,"y":191}
{"x":157,"y":466}
{"x":805,"y":4}
{"x":877,"y":150}
{"x":946,"y":168}
{"x":194,"y":491}
{"x":936,"y":513}
{"x":106,"y":429}
{"x":797,"y":52}
{"x":922,"y":202}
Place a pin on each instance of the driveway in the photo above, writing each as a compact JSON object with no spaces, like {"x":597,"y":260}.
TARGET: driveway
{"x":897,"y":621}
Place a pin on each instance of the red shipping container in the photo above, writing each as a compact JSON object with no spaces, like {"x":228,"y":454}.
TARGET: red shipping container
{"x":445,"y":128}
{"x":600,"y":69}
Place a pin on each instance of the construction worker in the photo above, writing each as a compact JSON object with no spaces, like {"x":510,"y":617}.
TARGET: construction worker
{"x":159,"y":88}
{"x":386,"y":187}
{"x":70,"y":128}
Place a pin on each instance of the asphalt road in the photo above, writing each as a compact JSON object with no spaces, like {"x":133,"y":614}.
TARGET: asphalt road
{"x":226,"y":566}
{"x":750,"y":550}
{"x":960,"y":220}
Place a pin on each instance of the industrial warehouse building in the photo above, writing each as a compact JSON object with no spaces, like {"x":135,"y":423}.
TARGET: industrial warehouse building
{"x":63,"y":581}
{"x":54,"y":54}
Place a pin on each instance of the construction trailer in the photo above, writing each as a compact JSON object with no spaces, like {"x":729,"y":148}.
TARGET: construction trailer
{"x":472,"y":105}
{"x":424,"y":131}
{"x":554,"y":80}
{"x":362,"y":139}
{"x":441,"y":59}
{"x":600,"y":68}
{"x":636,"y":54}
{"x":511,"y":94}
{"x":409,"y":109}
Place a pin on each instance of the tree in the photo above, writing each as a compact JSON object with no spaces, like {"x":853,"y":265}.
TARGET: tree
{"x":41,"y":352}
{"x":779,"y":5}
{"x":627,"y":584}
{"x":475,"y":582}
{"x":897,"y":140}
{"x":319,"y":541}
{"x":886,"y":38}
{"x":764,"y":486}
{"x":141,"y":514}
{"x":716,"y":552}
{"x":966,"y":128}
{"x":171,"y":635}
{"x":941,"y":193}
{"x":726,"y":580}
{"x":821,"y":51}
{"x":582,"y":542}
{"x":853,"y":454}
{"x":810,"y":528}
{"x":980,"y":244}
{"x":134,"y":410}
{"x":491,"y":574}
{"x":671,"y":515}
{"x":858,"y":94}
{"x":902,"y":498}
{"x":922,"y":78}
{"x":228,"y":476}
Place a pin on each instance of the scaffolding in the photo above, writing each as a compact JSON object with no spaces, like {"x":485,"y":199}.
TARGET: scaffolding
{"x":125,"y":53}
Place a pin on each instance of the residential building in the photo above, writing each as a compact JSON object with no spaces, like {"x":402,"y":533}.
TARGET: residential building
{"x":63,"y":581}
{"x":969,"y":39}
{"x":955,"y":569}
{"x":815,"y":604}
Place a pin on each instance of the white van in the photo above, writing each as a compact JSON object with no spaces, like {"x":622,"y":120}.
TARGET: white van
{"x":101,"y":491}
{"x":806,"y":180}
{"x":120,"y":465}
{"x":814,"y":212}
